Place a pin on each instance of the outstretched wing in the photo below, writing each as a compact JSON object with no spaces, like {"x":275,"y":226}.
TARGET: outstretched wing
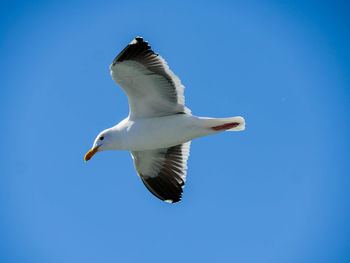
{"x":163,"y":171}
{"x":152,"y":88}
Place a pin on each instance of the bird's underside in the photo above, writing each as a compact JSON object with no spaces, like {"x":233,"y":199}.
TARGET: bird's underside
{"x":154,"y":91}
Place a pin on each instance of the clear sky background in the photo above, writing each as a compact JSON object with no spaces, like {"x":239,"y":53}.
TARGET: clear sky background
{"x":277,"y":192}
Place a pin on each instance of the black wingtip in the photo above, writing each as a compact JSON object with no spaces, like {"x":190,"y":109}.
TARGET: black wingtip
{"x":137,"y":47}
{"x":163,"y":189}
{"x":139,"y":39}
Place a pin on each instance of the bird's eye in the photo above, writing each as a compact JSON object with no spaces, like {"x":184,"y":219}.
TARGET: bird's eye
{"x":101,"y":138}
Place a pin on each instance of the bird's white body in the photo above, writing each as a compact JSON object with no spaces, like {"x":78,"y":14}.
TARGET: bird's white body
{"x":140,"y":134}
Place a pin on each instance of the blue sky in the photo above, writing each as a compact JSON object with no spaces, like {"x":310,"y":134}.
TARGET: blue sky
{"x":277,"y":192}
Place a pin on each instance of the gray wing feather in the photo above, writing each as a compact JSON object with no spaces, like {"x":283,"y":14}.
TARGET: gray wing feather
{"x":163,"y":171}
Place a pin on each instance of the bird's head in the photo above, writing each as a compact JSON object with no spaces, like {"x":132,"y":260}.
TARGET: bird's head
{"x":102,"y":142}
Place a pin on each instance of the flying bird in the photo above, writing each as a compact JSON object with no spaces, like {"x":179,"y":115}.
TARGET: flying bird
{"x":159,"y":128}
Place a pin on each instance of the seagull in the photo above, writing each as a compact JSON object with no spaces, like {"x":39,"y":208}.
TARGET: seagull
{"x":159,"y":128}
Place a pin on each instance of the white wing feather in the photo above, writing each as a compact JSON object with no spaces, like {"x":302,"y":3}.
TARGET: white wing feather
{"x":153,"y":90}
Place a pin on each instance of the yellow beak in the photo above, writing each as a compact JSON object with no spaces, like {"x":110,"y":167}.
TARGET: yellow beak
{"x":90,"y":153}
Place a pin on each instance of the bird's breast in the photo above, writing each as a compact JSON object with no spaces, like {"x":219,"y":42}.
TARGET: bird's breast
{"x":161,"y":132}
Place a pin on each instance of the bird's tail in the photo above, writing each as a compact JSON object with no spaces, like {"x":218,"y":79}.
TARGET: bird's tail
{"x":226,"y":124}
